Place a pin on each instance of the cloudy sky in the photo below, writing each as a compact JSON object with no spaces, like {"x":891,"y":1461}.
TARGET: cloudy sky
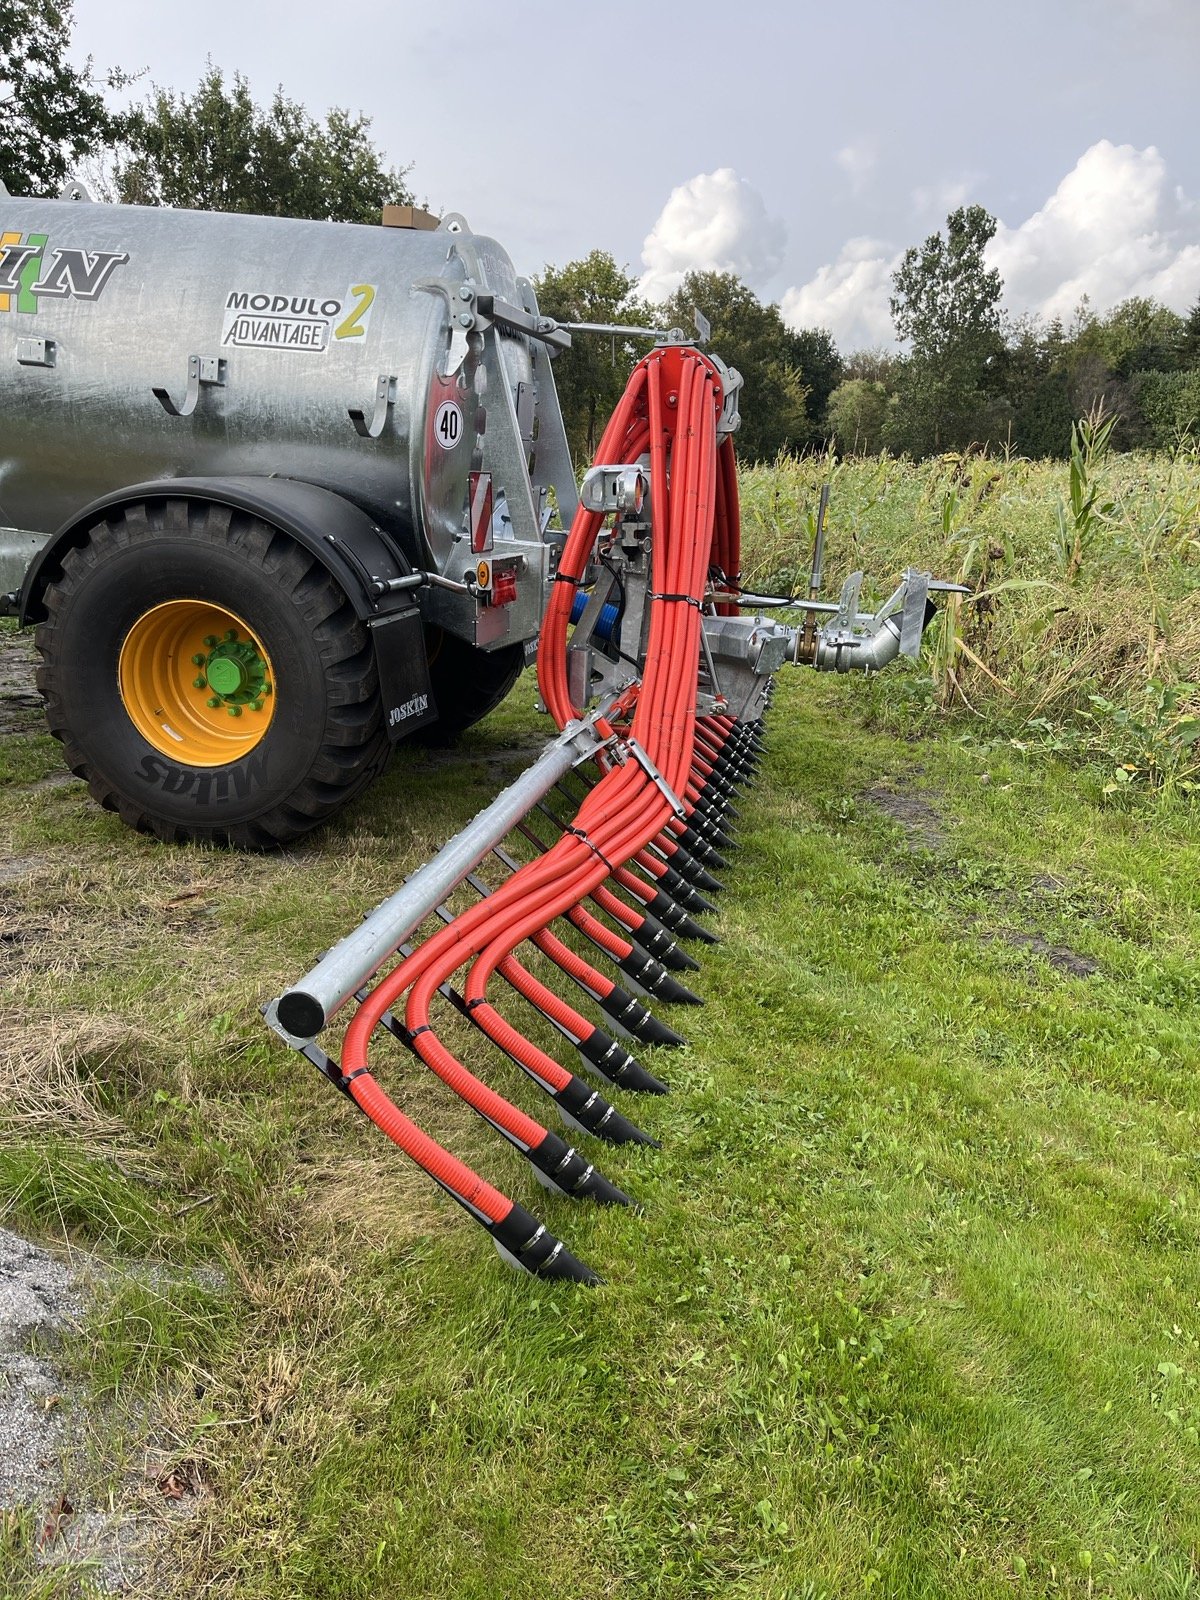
{"x":801,"y":146}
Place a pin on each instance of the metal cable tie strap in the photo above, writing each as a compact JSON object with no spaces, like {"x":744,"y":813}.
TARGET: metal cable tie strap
{"x":566,"y":577}
{"x":416,"y":1033}
{"x":688,"y":599}
{"x":479,"y":1000}
{"x":595,"y":849}
{"x":349,"y":1077}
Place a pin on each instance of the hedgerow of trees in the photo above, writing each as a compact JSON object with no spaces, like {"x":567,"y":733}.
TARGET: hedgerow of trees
{"x":215,"y":149}
{"x":965,"y":374}
{"x":971,"y":376}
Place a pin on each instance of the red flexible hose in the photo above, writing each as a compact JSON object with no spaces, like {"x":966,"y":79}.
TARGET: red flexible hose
{"x":670,"y":408}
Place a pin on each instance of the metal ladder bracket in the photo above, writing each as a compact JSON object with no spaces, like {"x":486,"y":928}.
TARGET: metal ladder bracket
{"x":385,"y":399}
{"x":210,"y":372}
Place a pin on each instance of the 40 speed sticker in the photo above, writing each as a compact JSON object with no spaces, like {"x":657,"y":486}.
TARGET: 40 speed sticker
{"x":448,"y":424}
{"x":257,"y":321}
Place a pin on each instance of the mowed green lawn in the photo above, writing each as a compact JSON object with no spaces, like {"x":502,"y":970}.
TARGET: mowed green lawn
{"x":911,"y":1304}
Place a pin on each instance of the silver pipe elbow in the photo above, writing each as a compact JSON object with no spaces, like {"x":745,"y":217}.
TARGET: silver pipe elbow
{"x":861,"y":652}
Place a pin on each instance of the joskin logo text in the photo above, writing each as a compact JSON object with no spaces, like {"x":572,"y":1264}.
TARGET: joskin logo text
{"x":30,"y":273}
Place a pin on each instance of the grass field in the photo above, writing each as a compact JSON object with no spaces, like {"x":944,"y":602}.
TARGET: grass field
{"x":912,"y":1307}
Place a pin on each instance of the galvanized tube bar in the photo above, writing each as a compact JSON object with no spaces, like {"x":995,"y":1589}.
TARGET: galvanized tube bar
{"x":305,"y":1008}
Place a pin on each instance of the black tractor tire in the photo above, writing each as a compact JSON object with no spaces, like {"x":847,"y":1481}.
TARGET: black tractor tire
{"x":326,"y":739}
{"x":467,"y":682}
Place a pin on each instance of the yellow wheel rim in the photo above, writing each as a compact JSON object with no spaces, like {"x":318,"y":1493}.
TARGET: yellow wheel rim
{"x":196,"y":683}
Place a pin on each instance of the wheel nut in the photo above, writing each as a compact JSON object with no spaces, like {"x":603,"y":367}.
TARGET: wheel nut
{"x":199,"y":660}
{"x":258,"y":705}
{"x":231,"y":635}
{"x":214,"y":701}
{"x":235,"y":711}
{"x":210,"y":639}
{"x":200,"y":683}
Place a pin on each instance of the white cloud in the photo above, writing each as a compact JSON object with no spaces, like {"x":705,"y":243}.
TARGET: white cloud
{"x":940,"y":199}
{"x":857,"y":161}
{"x":1114,"y":227}
{"x":716,"y":222}
{"x":849,"y":296}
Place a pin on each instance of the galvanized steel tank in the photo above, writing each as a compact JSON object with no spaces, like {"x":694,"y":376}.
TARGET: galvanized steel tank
{"x":281,"y":330}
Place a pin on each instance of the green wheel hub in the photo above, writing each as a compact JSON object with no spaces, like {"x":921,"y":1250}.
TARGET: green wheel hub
{"x":234,"y":673}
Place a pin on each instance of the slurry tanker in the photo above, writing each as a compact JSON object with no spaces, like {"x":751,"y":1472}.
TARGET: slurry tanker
{"x":277,"y":494}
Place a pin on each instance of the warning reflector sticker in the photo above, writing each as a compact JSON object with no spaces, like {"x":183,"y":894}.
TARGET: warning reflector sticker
{"x":480,"y":495}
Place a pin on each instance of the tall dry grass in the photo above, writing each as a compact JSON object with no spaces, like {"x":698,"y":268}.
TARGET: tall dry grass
{"x":1084,"y":576}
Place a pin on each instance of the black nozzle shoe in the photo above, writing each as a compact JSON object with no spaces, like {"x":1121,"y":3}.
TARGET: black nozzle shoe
{"x":652,"y":1031}
{"x":715,"y":809}
{"x":601,"y":1052}
{"x":561,"y":1168}
{"x":619,"y":1130}
{"x":674,"y":993}
{"x":731,"y":758}
{"x":719,"y":840}
{"x":680,"y":890}
{"x":595,"y":1186}
{"x":679,"y":922}
{"x":654,"y":939}
{"x":695,"y":874}
{"x":634,"y":1017}
{"x":590,"y":1112}
{"x":716,"y":786}
{"x":700,"y":877}
{"x":526,"y":1243}
{"x":699,"y":840}
{"x":710,"y":831}
{"x":668,"y":913}
{"x":717,"y":802}
{"x":652,"y":976}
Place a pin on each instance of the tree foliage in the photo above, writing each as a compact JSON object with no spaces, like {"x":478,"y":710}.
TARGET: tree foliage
{"x":1137,"y":335}
{"x":946,"y":305}
{"x":52,"y":114}
{"x":216,"y":150}
{"x":857,"y":411}
{"x":1169,"y":406}
{"x":789,"y":376}
{"x":814,"y":352}
{"x":1189,"y":340}
{"x":945,"y":297}
{"x":591,"y":375}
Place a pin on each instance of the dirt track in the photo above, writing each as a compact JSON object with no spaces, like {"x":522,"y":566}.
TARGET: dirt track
{"x":20,"y":703}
